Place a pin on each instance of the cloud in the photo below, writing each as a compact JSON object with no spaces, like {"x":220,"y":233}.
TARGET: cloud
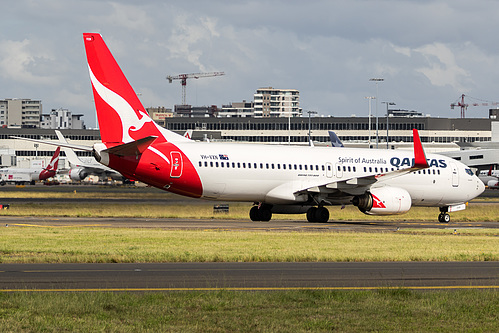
{"x":442,"y":68}
{"x":19,"y":63}
{"x":191,"y":37}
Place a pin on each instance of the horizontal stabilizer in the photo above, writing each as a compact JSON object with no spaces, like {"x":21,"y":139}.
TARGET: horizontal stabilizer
{"x":133,"y":148}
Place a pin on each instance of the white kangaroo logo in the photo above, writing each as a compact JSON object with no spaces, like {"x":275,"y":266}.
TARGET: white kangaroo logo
{"x":129,"y":119}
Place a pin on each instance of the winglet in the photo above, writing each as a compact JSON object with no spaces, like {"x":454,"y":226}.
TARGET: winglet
{"x":419,"y":154}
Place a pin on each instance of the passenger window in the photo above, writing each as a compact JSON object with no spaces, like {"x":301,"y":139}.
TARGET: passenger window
{"x":205,"y":164}
{"x":216,"y":164}
{"x":305,"y":167}
{"x":211,"y":164}
{"x":233,"y":164}
{"x":200,"y":163}
{"x":300,"y":166}
{"x":284,"y":166}
{"x":244,"y":165}
{"x":272,"y":165}
{"x":261,"y":165}
{"x":238,"y":165}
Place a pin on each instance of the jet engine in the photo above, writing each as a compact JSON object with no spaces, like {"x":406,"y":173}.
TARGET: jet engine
{"x":78,"y":174}
{"x":493,"y":184}
{"x":383,"y":201}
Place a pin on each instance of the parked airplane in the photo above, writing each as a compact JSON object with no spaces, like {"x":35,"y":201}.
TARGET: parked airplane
{"x":278,"y":179}
{"x":80,"y":170}
{"x":30,"y":175}
{"x":490,"y":178}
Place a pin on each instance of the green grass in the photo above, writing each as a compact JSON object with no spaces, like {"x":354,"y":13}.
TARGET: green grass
{"x":98,"y":244}
{"x":228,"y":311}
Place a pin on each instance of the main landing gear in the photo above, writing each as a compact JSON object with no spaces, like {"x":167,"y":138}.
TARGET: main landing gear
{"x":260,"y":213}
{"x":317,"y":214}
{"x":443,"y":217}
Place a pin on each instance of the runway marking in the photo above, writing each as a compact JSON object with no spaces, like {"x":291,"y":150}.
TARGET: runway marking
{"x":58,"y":226}
{"x":246,"y":289}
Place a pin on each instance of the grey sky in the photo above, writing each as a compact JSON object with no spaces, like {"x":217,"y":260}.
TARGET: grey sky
{"x":428,"y":52}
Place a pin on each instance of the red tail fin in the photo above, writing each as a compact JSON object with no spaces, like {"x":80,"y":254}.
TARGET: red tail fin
{"x":54,"y":162}
{"x":121,"y":116}
{"x":51,"y":169}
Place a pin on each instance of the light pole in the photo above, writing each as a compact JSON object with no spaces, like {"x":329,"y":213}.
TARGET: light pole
{"x":377,"y":80}
{"x":387,"y":104}
{"x":369,"y":140}
{"x":309,"y":139}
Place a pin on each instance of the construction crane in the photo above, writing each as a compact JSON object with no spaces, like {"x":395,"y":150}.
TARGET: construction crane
{"x":460,"y":103}
{"x":183,"y":80}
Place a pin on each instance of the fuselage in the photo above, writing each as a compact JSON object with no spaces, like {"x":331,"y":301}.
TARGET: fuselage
{"x":24,"y":175}
{"x":273,"y":173}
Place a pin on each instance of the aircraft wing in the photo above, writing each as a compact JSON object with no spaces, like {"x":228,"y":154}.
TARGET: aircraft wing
{"x":358,"y":185}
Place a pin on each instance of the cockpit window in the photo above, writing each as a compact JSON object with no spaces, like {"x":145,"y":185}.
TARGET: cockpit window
{"x":469,"y":172}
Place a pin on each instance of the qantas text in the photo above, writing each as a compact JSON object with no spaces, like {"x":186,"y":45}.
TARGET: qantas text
{"x":401,"y":162}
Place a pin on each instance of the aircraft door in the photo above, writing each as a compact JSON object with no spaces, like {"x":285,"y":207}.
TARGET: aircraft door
{"x":339,"y":170}
{"x":176,"y":164}
{"x":329,"y":170}
{"x":455,"y":174}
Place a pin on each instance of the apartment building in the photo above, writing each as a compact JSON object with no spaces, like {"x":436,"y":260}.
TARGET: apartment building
{"x":20,"y":113}
{"x":271,"y":102}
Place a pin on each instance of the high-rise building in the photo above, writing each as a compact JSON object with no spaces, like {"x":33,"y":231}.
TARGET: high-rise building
{"x":62,"y":119}
{"x":20,"y":113}
{"x":270,"y":102}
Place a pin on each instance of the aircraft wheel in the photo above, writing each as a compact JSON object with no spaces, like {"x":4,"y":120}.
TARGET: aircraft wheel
{"x":254,"y":214}
{"x":265,"y":214}
{"x":444,"y":218}
{"x":321,"y":214}
{"x":311,"y":214}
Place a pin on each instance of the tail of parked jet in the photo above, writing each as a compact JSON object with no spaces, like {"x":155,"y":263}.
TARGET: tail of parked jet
{"x":122,"y":117}
{"x":51,"y":169}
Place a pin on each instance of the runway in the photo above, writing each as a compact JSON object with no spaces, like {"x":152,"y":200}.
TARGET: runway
{"x":141,"y":277}
{"x":234,"y":225}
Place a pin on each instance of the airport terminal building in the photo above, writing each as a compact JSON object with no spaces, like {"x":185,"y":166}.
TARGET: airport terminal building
{"x":437,"y":134}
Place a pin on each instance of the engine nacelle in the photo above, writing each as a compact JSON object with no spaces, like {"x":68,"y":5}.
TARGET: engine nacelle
{"x":78,"y":174}
{"x":493,"y":184}
{"x":384,"y":201}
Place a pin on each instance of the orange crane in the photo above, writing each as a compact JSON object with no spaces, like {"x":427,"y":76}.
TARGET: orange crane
{"x":183,"y":80}
{"x":460,"y":102}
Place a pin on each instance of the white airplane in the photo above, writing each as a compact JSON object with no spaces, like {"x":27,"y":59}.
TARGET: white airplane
{"x":80,"y":170}
{"x":490,"y":178}
{"x":30,"y":175}
{"x":277,"y":179}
